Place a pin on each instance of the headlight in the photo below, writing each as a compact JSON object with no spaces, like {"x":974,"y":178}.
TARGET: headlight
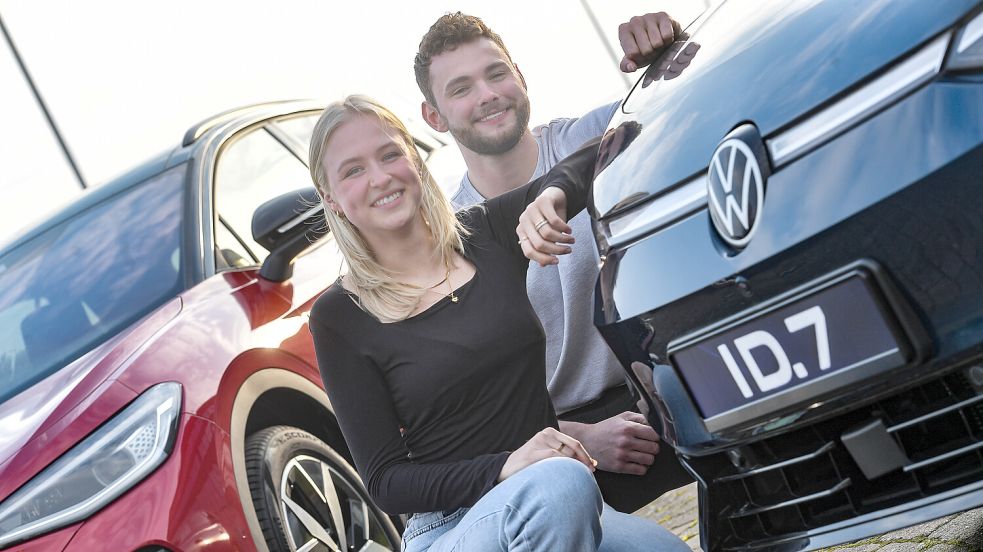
{"x":683,"y":200}
{"x":965,"y":51}
{"x":968,"y":50}
{"x":916,"y":70}
{"x":96,"y":471}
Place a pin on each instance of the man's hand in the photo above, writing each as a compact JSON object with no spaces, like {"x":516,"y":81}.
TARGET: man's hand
{"x":643,"y":37}
{"x":622,"y":444}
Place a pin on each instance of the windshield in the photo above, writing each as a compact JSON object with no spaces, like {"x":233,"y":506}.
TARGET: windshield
{"x":74,"y":286}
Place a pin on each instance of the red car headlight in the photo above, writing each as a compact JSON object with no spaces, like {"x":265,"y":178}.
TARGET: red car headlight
{"x":114,"y":458}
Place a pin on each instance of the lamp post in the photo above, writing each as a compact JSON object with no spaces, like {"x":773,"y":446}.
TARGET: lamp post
{"x":42,"y":105}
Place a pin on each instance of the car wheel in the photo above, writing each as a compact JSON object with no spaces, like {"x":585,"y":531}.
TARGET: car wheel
{"x":307,"y":497}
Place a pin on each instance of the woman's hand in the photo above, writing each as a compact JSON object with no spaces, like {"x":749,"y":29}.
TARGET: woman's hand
{"x":542,"y":228}
{"x":548,"y":443}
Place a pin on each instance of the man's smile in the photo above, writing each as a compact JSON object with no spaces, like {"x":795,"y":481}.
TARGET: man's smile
{"x":493,"y":116}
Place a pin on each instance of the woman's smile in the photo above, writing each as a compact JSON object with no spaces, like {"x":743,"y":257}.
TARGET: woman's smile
{"x":388,"y":200}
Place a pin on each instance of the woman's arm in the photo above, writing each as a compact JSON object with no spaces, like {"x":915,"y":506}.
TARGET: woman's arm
{"x":542,"y":231}
{"x":569,"y":182}
{"x":364,"y":408}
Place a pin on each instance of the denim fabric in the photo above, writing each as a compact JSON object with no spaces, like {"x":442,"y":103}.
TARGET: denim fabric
{"x":430,"y":524}
{"x":552,"y":506}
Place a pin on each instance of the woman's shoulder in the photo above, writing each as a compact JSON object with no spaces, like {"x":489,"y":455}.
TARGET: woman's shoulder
{"x":474,"y":220}
{"x":334,"y":303}
{"x":471,"y":215}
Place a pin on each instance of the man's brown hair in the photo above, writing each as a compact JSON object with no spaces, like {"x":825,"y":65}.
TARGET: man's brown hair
{"x":447,"y":33}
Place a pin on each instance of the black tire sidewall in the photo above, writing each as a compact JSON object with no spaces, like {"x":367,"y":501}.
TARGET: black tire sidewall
{"x":267,"y":454}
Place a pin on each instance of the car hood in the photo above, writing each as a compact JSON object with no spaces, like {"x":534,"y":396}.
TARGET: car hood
{"x":50,"y":406}
{"x":765,"y":62}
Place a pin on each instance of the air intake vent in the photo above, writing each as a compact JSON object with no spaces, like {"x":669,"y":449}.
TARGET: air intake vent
{"x":806,"y":479}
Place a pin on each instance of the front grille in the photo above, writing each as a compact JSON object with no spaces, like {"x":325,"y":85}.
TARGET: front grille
{"x":806,"y":479}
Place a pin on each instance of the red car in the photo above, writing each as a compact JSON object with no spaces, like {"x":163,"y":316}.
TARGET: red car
{"x":158,"y":385}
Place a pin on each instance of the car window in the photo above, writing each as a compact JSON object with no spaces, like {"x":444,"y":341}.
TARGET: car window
{"x":251,"y":171}
{"x":445,"y":162}
{"x":230,"y":253}
{"x":299,"y":128}
{"x":77,"y":284}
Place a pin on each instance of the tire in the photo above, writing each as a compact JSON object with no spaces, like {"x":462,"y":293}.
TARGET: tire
{"x":308,"y":498}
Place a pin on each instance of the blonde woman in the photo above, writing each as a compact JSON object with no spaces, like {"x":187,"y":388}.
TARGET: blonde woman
{"x":433,"y":357}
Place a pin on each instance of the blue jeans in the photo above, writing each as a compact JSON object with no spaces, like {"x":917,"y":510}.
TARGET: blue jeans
{"x":553,"y":505}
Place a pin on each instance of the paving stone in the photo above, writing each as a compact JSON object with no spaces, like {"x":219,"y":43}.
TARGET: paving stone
{"x":866,"y":545}
{"x":677,"y":511}
{"x":899,"y":547}
{"x":945,"y":548}
{"x":965,"y":529}
{"x":915,"y":531}
{"x":862,"y":548}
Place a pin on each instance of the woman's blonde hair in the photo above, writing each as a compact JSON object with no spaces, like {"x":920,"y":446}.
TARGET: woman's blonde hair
{"x":379,"y":293}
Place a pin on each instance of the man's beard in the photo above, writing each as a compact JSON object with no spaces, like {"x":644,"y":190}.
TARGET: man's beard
{"x":470,"y":138}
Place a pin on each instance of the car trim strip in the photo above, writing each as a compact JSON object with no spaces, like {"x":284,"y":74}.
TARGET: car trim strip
{"x":792,"y":461}
{"x":941,"y":412}
{"x":951,"y":454}
{"x":972,"y":33}
{"x":749,"y":510}
{"x":831,"y":121}
{"x":300,"y":218}
{"x":683,"y":200}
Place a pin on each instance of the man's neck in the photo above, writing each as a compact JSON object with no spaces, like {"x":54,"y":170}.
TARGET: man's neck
{"x":493,"y":175}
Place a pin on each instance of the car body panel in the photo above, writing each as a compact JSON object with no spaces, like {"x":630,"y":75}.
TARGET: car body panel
{"x":827,"y":48}
{"x":57,"y":540}
{"x":826,"y":187}
{"x":44,"y":447}
{"x":189,"y":499}
{"x":260,"y":330}
{"x":895,"y":192}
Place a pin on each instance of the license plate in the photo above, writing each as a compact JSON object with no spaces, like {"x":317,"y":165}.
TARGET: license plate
{"x":830,"y":336}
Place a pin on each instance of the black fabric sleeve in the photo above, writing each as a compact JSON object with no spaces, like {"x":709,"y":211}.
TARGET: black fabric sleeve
{"x":574,"y":175}
{"x":364,"y":408}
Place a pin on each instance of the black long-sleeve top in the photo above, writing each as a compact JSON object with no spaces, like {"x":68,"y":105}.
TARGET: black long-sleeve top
{"x":432,"y":405}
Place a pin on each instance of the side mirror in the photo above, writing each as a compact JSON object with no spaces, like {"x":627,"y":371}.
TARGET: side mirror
{"x":286,"y":226}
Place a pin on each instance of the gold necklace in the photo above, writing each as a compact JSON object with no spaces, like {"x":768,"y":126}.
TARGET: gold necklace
{"x":450,"y":288}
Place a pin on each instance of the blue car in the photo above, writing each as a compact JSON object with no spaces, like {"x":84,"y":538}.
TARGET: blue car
{"x":789,"y":210}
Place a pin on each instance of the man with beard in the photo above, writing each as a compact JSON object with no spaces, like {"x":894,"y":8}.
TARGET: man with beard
{"x":474,"y":90}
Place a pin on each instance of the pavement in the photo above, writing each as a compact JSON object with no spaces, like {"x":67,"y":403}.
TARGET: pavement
{"x":677,"y":511}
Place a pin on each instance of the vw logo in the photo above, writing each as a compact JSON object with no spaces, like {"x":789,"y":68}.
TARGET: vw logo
{"x":736,"y":187}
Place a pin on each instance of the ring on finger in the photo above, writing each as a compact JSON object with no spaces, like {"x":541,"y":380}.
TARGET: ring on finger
{"x":522,"y":239}
{"x":560,"y":448}
{"x":541,"y":224}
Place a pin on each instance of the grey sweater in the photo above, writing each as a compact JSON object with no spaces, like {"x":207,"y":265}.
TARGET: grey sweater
{"x":579,"y":364}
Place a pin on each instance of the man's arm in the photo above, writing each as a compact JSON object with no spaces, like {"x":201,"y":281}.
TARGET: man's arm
{"x":622,"y":444}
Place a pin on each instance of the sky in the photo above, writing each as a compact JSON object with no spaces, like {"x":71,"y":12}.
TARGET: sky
{"x":125,"y":79}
